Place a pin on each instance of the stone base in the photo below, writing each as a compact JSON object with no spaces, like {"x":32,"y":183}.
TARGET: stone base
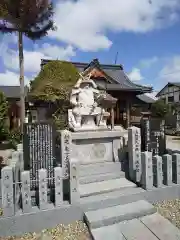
{"x":89,"y":128}
{"x":92,"y":146}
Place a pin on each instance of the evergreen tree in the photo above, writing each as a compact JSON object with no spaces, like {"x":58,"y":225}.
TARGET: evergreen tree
{"x":3,"y":116}
{"x":32,"y":18}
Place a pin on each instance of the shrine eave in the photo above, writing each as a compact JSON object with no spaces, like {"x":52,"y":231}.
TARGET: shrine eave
{"x":119,"y":87}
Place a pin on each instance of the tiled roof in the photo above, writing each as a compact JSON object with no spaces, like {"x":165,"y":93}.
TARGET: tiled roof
{"x":12,"y":91}
{"x":124,"y":81}
{"x":115,"y":72}
{"x":147,"y":97}
{"x":169,"y":84}
{"x":175,"y":83}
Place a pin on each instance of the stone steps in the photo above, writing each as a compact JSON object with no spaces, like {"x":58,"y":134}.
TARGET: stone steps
{"x":101,"y":177}
{"x":119,"y":213}
{"x":161,"y":227}
{"x":113,"y":198}
{"x":96,"y":188}
{"x":128,"y":230}
{"x":107,"y":233}
{"x":99,"y":168}
{"x":151,"y":227}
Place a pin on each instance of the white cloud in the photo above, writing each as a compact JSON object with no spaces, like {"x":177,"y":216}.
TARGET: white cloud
{"x":32,"y":59}
{"x":135,"y":75}
{"x":57,"y":52}
{"x":147,"y":63}
{"x":9,"y":78}
{"x":85,"y":23}
{"x":171,"y":70}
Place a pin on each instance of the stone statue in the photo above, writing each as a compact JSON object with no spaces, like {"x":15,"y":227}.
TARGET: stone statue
{"x":86,"y":114}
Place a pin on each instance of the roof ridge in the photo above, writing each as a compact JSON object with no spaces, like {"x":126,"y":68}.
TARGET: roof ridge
{"x":118,"y":66}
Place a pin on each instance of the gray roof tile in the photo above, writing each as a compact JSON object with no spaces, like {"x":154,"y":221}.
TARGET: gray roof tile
{"x":12,"y":91}
{"x":115,"y":72}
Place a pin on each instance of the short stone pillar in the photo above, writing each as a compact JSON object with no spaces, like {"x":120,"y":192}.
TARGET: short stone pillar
{"x":7,"y":191}
{"x":26,"y":192}
{"x":157,"y":171}
{"x":176,"y":168}
{"x":43,"y":201}
{"x":66,"y":141}
{"x":178,"y":121}
{"x":20,"y":147}
{"x":147,"y":170}
{"x":58,"y":186}
{"x":74,"y":181}
{"x":167,"y":169}
{"x":134,"y":150}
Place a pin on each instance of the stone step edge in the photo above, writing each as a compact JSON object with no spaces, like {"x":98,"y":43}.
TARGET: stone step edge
{"x":101,"y":191}
{"x":88,"y":170}
{"x":153,"y":195}
{"x":104,"y":200}
{"x":106,"y":233}
{"x":101,"y":177}
{"x":118,"y":214}
{"x":102,"y":164}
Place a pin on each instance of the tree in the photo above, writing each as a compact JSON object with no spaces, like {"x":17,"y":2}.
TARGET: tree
{"x":32,"y":18}
{"x":53,"y":85}
{"x":160,"y":109}
{"x":3,"y":116}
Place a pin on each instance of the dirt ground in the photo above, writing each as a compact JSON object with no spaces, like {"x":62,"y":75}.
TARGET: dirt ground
{"x":76,"y":231}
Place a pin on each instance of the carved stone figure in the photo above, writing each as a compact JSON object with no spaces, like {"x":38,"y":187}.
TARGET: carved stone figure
{"x":86,"y":113}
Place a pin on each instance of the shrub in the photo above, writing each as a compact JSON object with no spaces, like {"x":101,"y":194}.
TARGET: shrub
{"x":3,"y":117}
{"x":14,"y":137}
{"x":160,"y":109}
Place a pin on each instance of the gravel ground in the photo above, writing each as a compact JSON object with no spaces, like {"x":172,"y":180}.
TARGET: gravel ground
{"x":170,"y":210}
{"x":75,"y":231}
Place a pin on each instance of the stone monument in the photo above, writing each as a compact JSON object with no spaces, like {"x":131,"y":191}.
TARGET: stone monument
{"x":88,"y":112}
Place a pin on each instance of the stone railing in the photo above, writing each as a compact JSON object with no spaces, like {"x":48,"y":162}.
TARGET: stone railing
{"x":14,"y":203}
{"x":151,"y":171}
{"x":19,"y":198}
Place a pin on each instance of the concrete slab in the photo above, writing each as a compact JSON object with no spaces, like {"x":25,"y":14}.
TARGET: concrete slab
{"x":37,"y":221}
{"x":107,"y":233}
{"x":136,"y":230}
{"x":105,"y":186}
{"x":112,"y":215}
{"x":161,"y":227}
{"x":97,"y":168}
{"x":101,"y":177}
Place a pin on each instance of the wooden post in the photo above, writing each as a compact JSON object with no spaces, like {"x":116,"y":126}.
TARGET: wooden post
{"x":112,"y":118}
{"x":127,"y":114}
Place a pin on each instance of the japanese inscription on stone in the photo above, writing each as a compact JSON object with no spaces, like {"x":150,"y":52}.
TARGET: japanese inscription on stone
{"x":147,"y":144}
{"x":39,"y":148}
{"x":138,"y":155}
{"x":65,"y":144}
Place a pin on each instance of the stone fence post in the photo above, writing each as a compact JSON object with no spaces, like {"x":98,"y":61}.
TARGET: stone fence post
{"x":21,"y":156}
{"x":167,"y":169}
{"x":176,"y":168}
{"x":157,"y":171}
{"x":58,"y":186}
{"x":147,"y":170}
{"x":74,"y":181}
{"x":7,"y":191}
{"x":134,"y":150}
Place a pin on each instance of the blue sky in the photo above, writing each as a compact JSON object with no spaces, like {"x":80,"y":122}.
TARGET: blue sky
{"x":146,"y":37}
